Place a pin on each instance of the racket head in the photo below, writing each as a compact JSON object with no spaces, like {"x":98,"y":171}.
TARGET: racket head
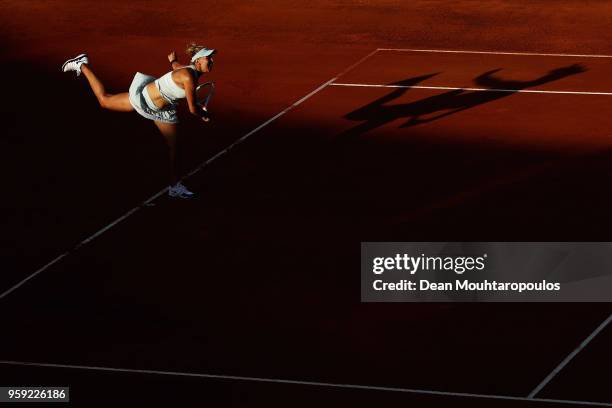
{"x":204,"y":93}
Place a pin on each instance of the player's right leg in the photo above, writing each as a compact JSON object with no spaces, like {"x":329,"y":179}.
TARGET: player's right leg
{"x":116,"y":102}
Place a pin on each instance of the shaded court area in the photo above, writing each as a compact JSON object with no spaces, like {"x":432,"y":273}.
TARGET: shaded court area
{"x":137,"y":388}
{"x":259,"y":277}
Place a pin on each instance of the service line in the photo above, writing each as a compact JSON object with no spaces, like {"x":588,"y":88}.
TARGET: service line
{"x":452,"y":88}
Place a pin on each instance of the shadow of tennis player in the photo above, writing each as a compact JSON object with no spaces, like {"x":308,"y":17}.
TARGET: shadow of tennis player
{"x":379,"y":112}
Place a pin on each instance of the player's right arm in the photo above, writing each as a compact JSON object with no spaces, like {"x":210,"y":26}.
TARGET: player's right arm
{"x":189,"y":85}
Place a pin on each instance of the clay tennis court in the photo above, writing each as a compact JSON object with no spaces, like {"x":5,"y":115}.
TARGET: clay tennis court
{"x":334,"y":123}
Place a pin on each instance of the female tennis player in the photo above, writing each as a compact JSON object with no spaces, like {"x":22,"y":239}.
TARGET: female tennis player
{"x":157,"y":99}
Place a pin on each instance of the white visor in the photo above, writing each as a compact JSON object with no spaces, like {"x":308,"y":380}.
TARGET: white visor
{"x":204,"y":52}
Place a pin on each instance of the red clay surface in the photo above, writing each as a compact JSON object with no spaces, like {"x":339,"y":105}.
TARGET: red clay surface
{"x":460,"y":70}
{"x":260,"y":276}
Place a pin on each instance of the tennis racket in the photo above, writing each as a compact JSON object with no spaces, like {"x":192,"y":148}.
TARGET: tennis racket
{"x":204,"y":93}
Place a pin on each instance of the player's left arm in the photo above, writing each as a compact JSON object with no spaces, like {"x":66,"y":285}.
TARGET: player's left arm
{"x":174,"y":61}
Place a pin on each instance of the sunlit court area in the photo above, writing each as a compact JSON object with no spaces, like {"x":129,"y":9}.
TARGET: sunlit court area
{"x":332,"y":124}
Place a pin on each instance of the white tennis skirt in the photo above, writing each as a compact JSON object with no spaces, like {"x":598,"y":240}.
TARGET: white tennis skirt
{"x":142,"y":103}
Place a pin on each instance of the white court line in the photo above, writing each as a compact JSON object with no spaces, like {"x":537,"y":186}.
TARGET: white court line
{"x":191,"y":173}
{"x":538,"y":54}
{"x":272,"y":119}
{"x":309,"y":383}
{"x":451,"y":88}
{"x":569,"y":358}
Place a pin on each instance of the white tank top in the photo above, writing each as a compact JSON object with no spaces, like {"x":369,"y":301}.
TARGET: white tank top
{"x":169,"y":89}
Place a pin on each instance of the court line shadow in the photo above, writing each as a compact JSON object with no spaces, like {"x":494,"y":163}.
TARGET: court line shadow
{"x":379,"y":112}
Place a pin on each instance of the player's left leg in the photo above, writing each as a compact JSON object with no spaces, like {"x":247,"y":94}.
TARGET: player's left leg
{"x":170,"y":133}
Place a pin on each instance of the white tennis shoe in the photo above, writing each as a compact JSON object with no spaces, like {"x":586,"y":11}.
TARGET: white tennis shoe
{"x":74,"y":64}
{"x":180,"y":191}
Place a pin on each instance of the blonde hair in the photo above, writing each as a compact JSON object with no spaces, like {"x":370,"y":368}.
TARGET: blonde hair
{"x":193,"y":48}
